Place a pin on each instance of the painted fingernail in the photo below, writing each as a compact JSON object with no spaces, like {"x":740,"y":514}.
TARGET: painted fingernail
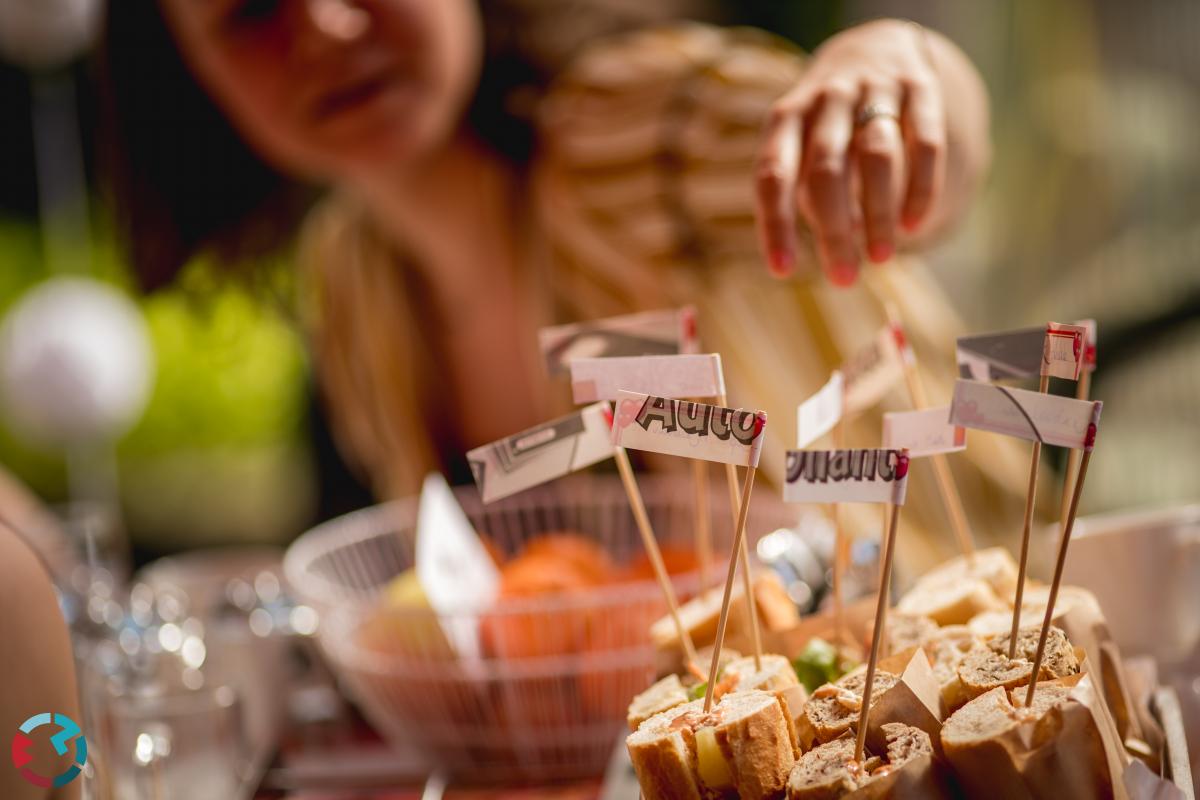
{"x":910,"y":222}
{"x":881,"y":252}
{"x":782,"y":260}
{"x":844,"y":273}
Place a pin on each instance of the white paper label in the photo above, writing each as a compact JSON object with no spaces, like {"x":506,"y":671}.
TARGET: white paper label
{"x":542,"y":453}
{"x":455,"y":570}
{"x":817,"y":415}
{"x":1046,"y":418}
{"x":595,"y":379}
{"x":1015,"y":354}
{"x":923,"y":433}
{"x":875,"y":369}
{"x":691,"y":430}
{"x":846,"y":476}
{"x":649,"y":333}
{"x":1063,"y":351}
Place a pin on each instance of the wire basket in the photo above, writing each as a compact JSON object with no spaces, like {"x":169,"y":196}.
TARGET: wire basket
{"x":549,"y":695}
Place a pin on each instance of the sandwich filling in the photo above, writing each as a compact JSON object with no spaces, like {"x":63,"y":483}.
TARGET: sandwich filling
{"x":830,"y":771}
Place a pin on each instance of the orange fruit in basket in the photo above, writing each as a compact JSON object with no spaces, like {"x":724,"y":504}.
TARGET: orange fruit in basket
{"x":678,"y":561}
{"x":538,"y":629}
{"x":585,"y":554}
{"x":614,"y":668}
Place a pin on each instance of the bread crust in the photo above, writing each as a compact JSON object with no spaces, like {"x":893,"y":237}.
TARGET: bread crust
{"x":751,"y":730}
{"x":662,"y":695}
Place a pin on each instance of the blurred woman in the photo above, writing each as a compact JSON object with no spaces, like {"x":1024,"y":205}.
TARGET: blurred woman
{"x":465,"y":209}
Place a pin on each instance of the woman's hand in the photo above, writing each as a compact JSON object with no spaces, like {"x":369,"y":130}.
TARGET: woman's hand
{"x":859,"y":147}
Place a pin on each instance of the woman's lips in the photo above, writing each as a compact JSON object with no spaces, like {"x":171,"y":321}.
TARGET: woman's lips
{"x":354,"y":95}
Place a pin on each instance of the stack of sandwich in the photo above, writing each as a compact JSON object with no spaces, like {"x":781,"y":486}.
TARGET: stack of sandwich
{"x":973,"y":737}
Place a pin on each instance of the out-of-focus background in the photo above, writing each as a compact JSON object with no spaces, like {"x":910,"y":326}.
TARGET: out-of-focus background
{"x":1090,"y":211}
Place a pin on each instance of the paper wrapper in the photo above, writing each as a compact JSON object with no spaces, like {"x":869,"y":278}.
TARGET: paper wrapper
{"x":1067,"y":752}
{"x":915,"y":700}
{"x":923,"y":778}
{"x":1142,"y":784}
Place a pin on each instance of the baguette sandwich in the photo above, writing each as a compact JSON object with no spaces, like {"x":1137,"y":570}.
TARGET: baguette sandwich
{"x":906,"y":769}
{"x":700,"y":615}
{"x":989,"y":667}
{"x":962,"y":588}
{"x":833,"y":709}
{"x":1053,"y":749}
{"x":744,"y":745}
{"x":737,"y":674}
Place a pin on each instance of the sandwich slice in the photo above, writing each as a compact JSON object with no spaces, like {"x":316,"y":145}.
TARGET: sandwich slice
{"x":662,"y":695}
{"x":906,"y":769}
{"x":994,"y":566}
{"x":700,"y":615}
{"x":989,"y":667}
{"x":908,"y":630}
{"x":741,"y":746}
{"x":741,"y":675}
{"x":961,"y":588}
{"x":950,"y":601}
{"x":999,"y":748}
{"x":737,"y":673}
{"x":1033,"y":610}
{"x":833,"y":709}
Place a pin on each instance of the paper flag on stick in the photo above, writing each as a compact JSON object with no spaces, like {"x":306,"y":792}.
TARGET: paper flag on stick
{"x":455,"y":570}
{"x":542,"y":453}
{"x":650,"y":333}
{"x":691,"y":430}
{"x":999,"y":356}
{"x":1045,"y":418}
{"x":875,"y":369}
{"x":846,"y":476}
{"x":595,"y":379}
{"x":817,"y":415}
{"x":1063,"y":351}
{"x":1013,"y":354}
{"x":923,"y":433}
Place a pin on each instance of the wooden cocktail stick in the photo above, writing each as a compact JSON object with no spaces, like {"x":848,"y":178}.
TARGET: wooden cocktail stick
{"x":1082,"y":390}
{"x":885,"y":582}
{"x":941,"y":468}
{"x":743,"y":552}
{"x":1063,"y":543}
{"x":1030,"y":496}
{"x":841,"y":548}
{"x":701,"y":515}
{"x":656,"y":560}
{"x":738,"y":535}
